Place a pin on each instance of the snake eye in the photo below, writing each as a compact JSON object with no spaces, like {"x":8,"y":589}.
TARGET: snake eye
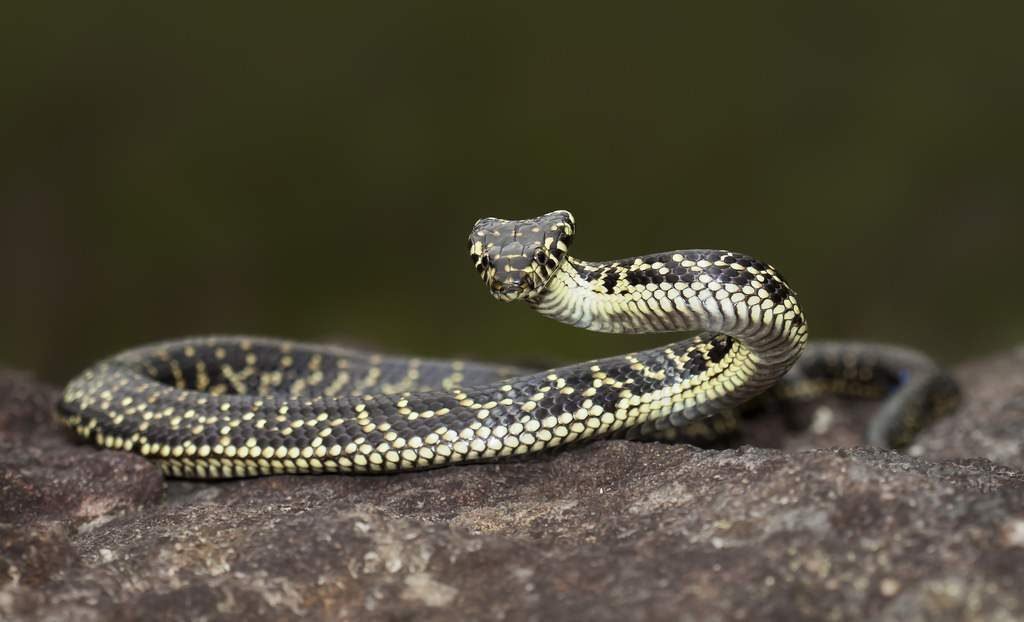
{"x":540,"y":256}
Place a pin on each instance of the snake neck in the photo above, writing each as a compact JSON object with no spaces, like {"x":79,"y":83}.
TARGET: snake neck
{"x":692,"y":290}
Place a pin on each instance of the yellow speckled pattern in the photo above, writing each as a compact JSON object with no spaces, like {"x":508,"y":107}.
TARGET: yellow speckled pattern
{"x":219,"y":407}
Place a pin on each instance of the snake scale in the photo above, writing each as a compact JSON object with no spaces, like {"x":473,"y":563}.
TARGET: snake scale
{"x":223,"y":407}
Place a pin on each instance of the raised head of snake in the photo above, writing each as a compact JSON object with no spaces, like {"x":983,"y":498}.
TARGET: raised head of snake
{"x":516,"y":258}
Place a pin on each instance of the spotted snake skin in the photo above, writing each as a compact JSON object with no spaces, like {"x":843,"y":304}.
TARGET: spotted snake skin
{"x":225,"y":406}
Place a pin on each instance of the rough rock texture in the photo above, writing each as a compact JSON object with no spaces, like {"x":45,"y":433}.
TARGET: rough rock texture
{"x":991,"y":422}
{"x":612,"y":531}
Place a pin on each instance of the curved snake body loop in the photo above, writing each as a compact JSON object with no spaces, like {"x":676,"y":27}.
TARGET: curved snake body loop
{"x":221,"y":407}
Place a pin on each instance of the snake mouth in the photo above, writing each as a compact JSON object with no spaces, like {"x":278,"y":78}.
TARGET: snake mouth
{"x":508,"y":292}
{"x":518,"y":284}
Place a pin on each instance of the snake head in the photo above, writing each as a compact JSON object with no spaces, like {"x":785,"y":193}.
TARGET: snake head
{"x":516,"y":258}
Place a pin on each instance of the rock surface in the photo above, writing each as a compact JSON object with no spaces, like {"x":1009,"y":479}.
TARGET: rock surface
{"x":612,"y":531}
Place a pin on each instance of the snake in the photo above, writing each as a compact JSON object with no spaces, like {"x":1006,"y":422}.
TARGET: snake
{"x":224,"y":406}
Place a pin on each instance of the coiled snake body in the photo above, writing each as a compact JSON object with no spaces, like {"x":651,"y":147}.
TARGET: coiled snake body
{"x":220,"y":407}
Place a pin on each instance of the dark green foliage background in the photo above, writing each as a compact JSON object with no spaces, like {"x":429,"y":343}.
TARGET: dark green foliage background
{"x":313,"y":172}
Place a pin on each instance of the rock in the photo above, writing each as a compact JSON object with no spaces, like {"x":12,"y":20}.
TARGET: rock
{"x":73,"y":484}
{"x":26,"y":410}
{"x":45,"y":475}
{"x":611,"y":531}
{"x":991,"y":422}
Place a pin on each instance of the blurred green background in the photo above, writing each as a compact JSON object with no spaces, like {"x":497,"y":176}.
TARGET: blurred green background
{"x":313,"y":172}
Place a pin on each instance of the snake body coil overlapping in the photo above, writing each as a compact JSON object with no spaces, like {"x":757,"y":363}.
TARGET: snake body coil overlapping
{"x":220,"y":407}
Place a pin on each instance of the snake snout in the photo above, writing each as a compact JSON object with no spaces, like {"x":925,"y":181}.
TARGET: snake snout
{"x":507,"y":290}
